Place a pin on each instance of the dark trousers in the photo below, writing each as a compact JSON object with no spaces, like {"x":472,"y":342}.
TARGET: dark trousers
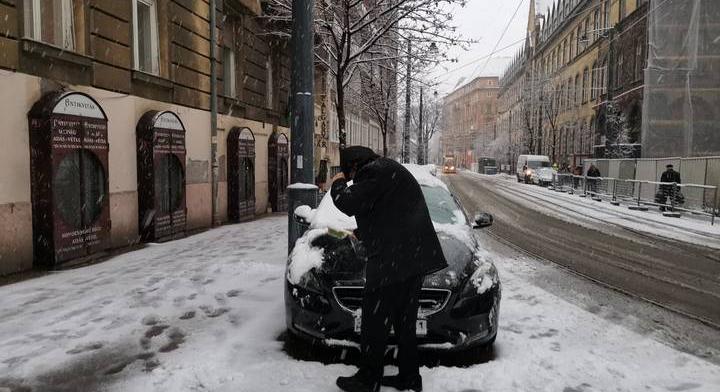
{"x":396,"y":306}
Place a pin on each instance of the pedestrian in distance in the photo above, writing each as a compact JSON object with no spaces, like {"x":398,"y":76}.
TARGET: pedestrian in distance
{"x":669,"y":189}
{"x":402,"y":246}
{"x":577,"y":172}
{"x":593,"y":174}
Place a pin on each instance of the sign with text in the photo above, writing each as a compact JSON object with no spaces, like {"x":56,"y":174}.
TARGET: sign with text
{"x":69,"y":170}
{"x":161,"y":176}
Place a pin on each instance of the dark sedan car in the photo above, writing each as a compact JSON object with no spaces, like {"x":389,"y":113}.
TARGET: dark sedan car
{"x":325,"y":277}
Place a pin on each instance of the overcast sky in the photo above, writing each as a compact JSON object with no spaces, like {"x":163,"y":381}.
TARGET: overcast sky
{"x":484,"y":21}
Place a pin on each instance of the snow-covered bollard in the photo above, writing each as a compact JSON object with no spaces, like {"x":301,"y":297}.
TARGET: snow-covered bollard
{"x":299,"y":195}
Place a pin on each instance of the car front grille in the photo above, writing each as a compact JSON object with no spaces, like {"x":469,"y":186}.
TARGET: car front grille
{"x":431,"y":300}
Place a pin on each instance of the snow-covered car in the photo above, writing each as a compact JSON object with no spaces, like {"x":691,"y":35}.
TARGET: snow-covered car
{"x":325,"y":278}
{"x":543,"y":176}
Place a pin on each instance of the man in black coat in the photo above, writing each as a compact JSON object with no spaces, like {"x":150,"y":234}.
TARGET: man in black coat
{"x":669,"y":191}
{"x":395,"y":228}
{"x":593,"y":174}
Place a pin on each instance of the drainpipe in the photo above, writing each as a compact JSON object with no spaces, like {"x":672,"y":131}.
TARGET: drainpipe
{"x":213,"y":113}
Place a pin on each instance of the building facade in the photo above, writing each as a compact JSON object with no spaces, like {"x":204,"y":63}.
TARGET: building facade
{"x":469,"y":127}
{"x":107,"y":124}
{"x":563,"y":72}
{"x":682,"y":87}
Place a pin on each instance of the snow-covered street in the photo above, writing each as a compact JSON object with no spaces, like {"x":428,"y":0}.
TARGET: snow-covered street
{"x":206,"y":313}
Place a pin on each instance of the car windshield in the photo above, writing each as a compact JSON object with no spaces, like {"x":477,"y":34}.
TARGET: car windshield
{"x":537,"y":164}
{"x":443,"y":208}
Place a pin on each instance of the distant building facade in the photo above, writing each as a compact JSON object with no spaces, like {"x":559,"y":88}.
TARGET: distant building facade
{"x":594,"y":89}
{"x":470,"y":120}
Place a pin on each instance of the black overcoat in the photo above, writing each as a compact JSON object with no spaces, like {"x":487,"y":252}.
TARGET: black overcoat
{"x":393,"y":221}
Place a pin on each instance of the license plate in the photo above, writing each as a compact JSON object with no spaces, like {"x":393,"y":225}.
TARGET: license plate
{"x":420,"y":327}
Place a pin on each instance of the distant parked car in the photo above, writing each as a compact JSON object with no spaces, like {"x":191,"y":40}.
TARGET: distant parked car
{"x":527,"y":166}
{"x":543,"y":176}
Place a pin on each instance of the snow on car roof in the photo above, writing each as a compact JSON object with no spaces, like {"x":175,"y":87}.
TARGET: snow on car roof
{"x":424,"y":176}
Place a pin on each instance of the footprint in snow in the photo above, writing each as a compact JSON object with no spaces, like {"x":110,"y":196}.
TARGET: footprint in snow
{"x":85,"y":348}
{"x":213,"y":312}
{"x":234,"y":293}
{"x":176,"y":337}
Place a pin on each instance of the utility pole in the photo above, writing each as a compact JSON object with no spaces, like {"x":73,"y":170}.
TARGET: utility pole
{"x":302,"y":86}
{"x":406,"y":128}
{"x":302,"y":122}
{"x":421,"y":133}
{"x":214,"y":164}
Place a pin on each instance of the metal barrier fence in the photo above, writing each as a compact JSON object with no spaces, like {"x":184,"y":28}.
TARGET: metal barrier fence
{"x":638,"y":194}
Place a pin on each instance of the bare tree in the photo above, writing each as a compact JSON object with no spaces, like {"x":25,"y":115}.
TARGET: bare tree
{"x":432,"y":119}
{"x":379,"y":96}
{"x":352,"y":33}
{"x":550,"y":103}
{"x":617,"y":133}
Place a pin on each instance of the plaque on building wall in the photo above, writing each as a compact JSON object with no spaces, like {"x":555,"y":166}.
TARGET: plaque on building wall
{"x":241,"y":174}
{"x":69,"y":177}
{"x":161,"y":176}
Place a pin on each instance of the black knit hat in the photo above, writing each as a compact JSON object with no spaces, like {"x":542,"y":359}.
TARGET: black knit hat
{"x":350,"y":156}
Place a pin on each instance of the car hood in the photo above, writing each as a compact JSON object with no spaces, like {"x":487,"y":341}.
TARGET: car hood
{"x":344,"y":262}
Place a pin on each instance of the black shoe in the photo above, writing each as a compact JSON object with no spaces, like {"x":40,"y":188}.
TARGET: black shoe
{"x":357,"y":383}
{"x":401,"y":383}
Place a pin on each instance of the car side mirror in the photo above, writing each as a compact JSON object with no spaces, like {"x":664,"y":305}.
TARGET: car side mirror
{"x":482,"y":220}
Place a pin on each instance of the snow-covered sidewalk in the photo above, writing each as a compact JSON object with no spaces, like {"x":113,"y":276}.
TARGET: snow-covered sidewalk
{"x":590,"y":213}
{"x":205,"y":313}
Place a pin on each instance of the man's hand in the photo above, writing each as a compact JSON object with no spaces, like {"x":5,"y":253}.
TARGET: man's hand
{"x":339,"y":176}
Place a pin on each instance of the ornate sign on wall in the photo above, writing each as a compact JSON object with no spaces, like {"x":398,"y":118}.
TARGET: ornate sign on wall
{"x":69,"y":169}
{"x":161,"y":176}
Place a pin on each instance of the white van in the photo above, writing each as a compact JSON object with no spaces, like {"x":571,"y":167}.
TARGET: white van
{"x":533,"y":163}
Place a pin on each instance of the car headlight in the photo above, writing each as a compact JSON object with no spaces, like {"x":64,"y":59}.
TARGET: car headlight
{"x":478,"y":294}
{"x":308,"y":294}
{"x":452,"y":167}
{"x":310,"y":282}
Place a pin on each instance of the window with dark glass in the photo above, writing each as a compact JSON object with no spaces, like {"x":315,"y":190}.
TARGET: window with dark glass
{"x":247,"y":179}
{"x":169,"y":183}
{"x":79,"y":187}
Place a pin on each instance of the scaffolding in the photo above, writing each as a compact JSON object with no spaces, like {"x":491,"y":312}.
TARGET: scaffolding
{"x":682,"y":80}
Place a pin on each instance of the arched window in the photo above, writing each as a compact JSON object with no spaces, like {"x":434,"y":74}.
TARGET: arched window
{"x":241,"y":174}
{"x":585,"y":82}
{"x":576,"y":91}
{"x":593,"y":84}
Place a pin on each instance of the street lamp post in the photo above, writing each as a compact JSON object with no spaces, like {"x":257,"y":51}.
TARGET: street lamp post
{"x":301,"y":192}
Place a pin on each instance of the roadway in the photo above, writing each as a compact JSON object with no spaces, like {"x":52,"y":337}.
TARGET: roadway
{"x":679,"y":276}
